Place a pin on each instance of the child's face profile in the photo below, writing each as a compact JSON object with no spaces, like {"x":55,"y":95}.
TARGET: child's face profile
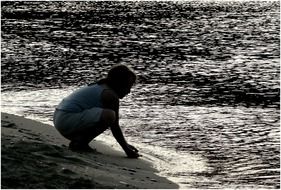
{"x":125,"y":90}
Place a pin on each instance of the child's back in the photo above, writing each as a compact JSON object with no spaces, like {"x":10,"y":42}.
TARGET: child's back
{"x":84,"y":98}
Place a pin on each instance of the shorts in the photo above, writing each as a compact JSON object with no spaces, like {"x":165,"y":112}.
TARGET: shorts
{"x":69,"y":124}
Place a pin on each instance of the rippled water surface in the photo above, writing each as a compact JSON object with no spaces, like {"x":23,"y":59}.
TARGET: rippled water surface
{"x":208,"y":77}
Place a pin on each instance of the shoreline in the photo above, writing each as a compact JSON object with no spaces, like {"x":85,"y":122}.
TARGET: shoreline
{"x":35,"y":155}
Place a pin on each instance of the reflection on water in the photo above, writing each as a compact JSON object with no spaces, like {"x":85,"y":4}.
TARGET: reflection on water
{"x":208,"y":77}
{"x":239,"y":145}
{"x":199,"y":53}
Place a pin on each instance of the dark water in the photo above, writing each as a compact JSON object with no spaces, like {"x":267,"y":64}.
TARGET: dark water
{"x":208,"y":75}
{"x":216,"y":53}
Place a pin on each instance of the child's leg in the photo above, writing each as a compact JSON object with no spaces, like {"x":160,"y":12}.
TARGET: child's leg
{"x":87,"y":130}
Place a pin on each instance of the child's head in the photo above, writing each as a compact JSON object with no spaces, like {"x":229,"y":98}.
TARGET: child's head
{"x":121,"y":79}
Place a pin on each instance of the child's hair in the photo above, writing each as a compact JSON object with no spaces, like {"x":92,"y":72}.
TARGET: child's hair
{"x":119,"y":76}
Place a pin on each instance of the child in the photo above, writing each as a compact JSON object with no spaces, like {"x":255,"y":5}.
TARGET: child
{"x":90,"y":110}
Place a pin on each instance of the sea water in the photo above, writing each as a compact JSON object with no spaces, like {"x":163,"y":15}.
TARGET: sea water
{"x":206,"y":105}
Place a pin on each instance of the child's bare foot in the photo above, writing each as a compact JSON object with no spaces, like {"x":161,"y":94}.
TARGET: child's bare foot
{"x":80,"y":147}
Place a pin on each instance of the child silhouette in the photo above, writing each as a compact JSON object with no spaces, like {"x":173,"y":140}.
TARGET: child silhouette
{"x":90,"y":110}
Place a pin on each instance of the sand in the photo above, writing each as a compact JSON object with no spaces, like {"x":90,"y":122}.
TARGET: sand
{"x":35,"y":155}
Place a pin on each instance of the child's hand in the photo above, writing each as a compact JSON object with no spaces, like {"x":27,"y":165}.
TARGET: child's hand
{"x":132,"y":147}
{"x":132,"y":152}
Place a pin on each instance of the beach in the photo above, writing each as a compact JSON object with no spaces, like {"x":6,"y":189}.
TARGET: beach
{"x":204,"y":113}
{"x":34,"y":155}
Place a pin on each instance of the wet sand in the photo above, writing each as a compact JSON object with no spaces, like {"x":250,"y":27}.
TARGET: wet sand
{"x":34,"y":155}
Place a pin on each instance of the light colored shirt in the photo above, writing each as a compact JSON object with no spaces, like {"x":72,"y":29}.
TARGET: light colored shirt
{"x":84,"y":98}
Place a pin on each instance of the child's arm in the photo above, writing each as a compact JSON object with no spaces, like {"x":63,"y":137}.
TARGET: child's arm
{"x":111,"y":101}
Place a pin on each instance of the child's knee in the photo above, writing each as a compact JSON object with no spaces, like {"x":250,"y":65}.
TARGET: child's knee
{"x":108,"y":117}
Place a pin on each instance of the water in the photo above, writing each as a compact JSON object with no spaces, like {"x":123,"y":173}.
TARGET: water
{"x":207,"y":98}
